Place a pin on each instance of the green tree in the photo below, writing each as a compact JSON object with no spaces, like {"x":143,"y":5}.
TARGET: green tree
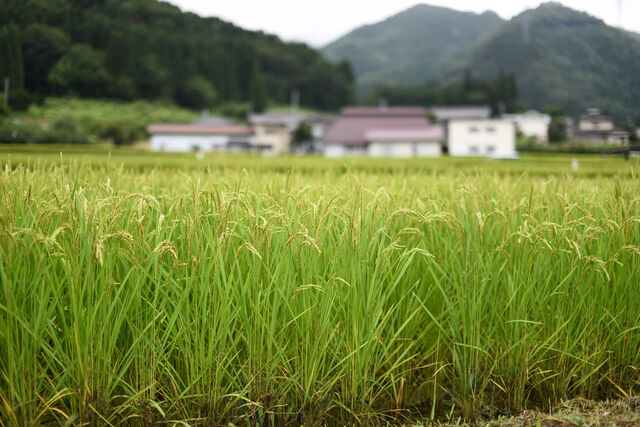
{"x":633,"y":133}
{"x":302,"y":133}
{"x":10,"y":49}
{"x":197,"y":93}
{"x":81,"y":71}
{"x":558,"y":127}
{"x":257,"y":90}
{"x":151,"y":78}
{"x":42,"y":47}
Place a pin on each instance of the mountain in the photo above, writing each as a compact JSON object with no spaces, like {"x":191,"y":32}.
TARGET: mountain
{"x":559,"y":57}
{"x":633,"y":34}
{"x":148,"y":49}
{"x":411,"y":46}
{"x":563,"y":58}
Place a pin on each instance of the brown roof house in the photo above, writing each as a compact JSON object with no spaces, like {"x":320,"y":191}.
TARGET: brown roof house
{"x":383,"y":132}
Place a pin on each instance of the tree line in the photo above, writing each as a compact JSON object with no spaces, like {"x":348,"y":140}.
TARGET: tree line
{"x":501,"y":93}
{"x":146,"y":49}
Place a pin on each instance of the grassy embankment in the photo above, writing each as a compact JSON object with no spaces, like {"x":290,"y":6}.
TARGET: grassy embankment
{"x":85,"y":121}
{"x":153,"y":288}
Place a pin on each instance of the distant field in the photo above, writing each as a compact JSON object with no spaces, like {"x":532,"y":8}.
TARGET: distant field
{"x":141,"y":288}
{"x":539,"y":165}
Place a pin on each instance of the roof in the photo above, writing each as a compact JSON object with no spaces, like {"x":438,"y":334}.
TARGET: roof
{"x":191,"y":129}
{"x":462,"y":112}
{"x":289,"y":119}
{"x":325,"y":119}
{"x":212,"y":121}
{"x":497,"y":121}
{"x":431,"y":133}
{"x":384,"y":111}
{"x":350,"y":130}
{"x":528,"y":115}
{"x":594,"y":118}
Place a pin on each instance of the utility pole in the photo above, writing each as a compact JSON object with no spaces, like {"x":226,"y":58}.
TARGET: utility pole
{"x":6,"y":91}
{"x":620,"y":13}
{"x":295,"y":99}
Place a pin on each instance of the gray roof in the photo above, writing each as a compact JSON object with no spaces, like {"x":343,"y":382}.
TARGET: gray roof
{"x":290,"y":120}
{"x":462,"y":112}
{"x":212,"y":121}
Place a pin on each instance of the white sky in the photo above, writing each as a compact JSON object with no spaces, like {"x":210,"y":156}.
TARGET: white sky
{"x":322,"y":21}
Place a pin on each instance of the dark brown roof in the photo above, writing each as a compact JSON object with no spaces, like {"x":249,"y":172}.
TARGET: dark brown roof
{"x":182,"y":129}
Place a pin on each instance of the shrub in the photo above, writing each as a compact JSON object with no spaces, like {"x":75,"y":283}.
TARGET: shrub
{"x":120,"y":133}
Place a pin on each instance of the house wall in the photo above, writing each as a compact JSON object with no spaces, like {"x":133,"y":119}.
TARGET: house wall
{"x":618,"y":139}
{"x":538,"y":128}
{"x":481,"y":137}
{"x":596,"y":124}
{"x":276,"y":136}
{"x":405,"y":149}
{"x":186,"y":143}
{"x":340,"y":150}
{"x":531,"y":124}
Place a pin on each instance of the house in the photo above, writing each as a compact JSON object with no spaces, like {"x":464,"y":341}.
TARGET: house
{"x":273,"y":130}
{"x":405,"y":142}
{"x":383,"y":131}
{"x":531,"y":124}
{"x":594,"y":127}
{"x":444,"y":115}
{"x":194,"y":137}
{"x":482,"y":137}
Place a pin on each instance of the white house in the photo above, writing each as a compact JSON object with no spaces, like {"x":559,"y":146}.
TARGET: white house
{"x":405,"y":143}
{"x":531,"y":124}
{"x":482,"y":137}
{"x":192,"y":137}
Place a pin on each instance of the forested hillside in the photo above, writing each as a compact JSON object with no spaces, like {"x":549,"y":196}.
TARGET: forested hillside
{"x":559,"y":58}
{"x":411,"y":46}
{"x":146,"y":49}
{"x":563,"y":58}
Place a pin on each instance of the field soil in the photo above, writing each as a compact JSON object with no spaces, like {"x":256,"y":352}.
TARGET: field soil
{"x":576,"y":412}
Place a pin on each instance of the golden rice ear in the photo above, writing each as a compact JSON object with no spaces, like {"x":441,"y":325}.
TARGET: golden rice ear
{"x":244,"y":291}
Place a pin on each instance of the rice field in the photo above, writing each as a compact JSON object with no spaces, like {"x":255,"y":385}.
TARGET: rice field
{"x":144,"y":289}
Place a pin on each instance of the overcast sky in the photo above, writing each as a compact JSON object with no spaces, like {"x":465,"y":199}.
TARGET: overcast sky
{"x":322,"y":21}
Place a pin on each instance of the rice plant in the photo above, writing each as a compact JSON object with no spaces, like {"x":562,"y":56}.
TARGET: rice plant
{"x":235,"y":293}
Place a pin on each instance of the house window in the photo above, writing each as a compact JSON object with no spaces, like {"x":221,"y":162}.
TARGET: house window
{"x":473,"y":149}
{"x":473,"y":129}
{"x":491,"y":149}
{"x":491,"y":129}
